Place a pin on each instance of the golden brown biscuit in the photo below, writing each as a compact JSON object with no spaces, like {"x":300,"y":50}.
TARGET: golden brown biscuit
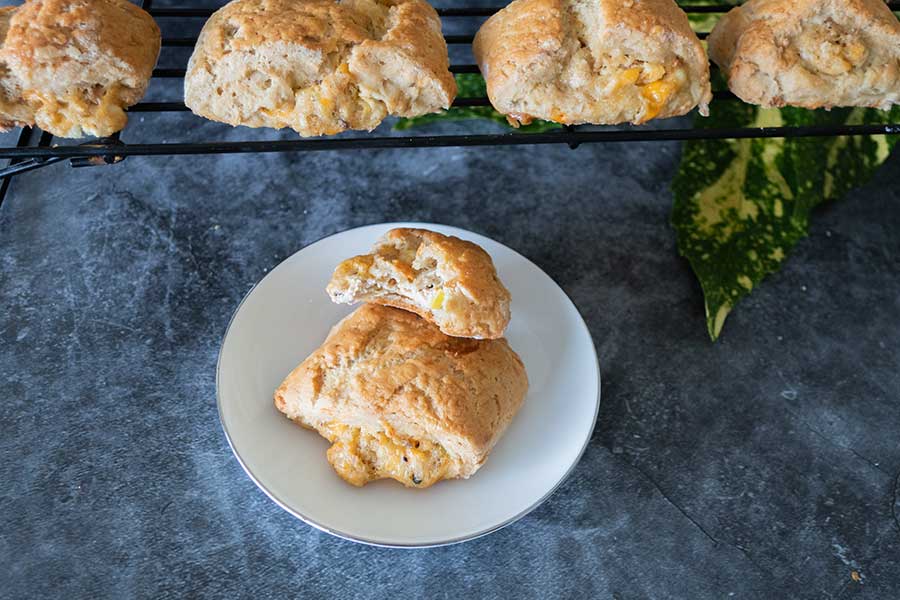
{"x":13,"y":110}
{"x":597,"y":61}
{"x":810,"y":53}
{"x":78,"y":63}
{"x":399,"y":399}
{"x":319,"y":66}
{"x":448,"y":281}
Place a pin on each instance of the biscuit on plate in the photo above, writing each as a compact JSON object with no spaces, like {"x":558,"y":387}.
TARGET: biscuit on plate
{"x":399,"y":399}
{"x":598,"y":61}
{"x":319,"y":66}
{"x":448,"y":281}
{"x":72,"y":66}
{"x":810,"y":53}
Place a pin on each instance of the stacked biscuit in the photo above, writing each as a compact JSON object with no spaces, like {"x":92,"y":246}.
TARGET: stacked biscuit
{"x":418,"y":384}
{"x":72,"y":66}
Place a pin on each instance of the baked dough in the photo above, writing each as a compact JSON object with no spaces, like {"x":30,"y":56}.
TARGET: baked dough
{"x":448,"y":281}
{"x":72,"y":66}
{"x":810,"y":53}
{"x":399,"y":399}
{"x":319,"y":66}
{"x":13,"y":110}
{"x":592,"y":61}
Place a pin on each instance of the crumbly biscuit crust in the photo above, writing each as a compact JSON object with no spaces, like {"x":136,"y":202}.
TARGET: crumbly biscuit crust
{"x":319,"y":66}
{"x":592,"y":61}
{"x":72,"y":66}
{"x":386,"y":371}
{"x":810,"y":53}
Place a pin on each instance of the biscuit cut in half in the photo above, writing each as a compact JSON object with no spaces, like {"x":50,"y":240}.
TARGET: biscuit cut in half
{"x":72,"y":66}
{"x":448,"y":281}
{"x":592,"y":61}
{"x":319,"y":66}
{"x":399,"y":399}
{"x":810,"y":53}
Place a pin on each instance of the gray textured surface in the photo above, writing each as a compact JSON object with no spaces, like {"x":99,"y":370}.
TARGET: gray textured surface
{"x":761,"y":466}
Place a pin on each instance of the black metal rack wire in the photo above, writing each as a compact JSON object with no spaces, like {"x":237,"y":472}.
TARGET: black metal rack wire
{"x":36,"y":149}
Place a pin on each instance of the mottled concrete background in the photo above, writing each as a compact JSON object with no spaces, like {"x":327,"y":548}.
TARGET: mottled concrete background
{"x":763,"y":466}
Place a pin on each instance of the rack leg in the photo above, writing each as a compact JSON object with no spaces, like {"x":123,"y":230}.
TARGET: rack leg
{"x":571,"y":129}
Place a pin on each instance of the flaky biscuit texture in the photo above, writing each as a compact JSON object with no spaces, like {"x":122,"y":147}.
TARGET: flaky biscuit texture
{"x":592,"y":61}
{"x":400,"y":399}
{"x":810,"y":53}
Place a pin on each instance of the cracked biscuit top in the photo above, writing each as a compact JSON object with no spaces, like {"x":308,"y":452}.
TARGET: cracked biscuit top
{"x":73,"y":66}
{"x":810,"y":53}
{"x":592,"y":61}
{"x":399,"y":399}
{"x":319,"y":66}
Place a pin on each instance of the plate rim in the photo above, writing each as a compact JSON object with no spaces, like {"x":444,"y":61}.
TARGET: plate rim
{"x":412,"y":545}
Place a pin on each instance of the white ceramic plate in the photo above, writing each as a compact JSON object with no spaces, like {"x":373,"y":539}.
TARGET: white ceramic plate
{"x":288,"y":314}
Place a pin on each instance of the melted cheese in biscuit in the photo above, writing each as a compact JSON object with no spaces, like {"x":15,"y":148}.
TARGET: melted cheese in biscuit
{"x":360,"y":456}
{"x":830,"y":49}
{"x":96,"y":111}
{"x":652,"y":84}
{"x":447,"y":281}
{"x":641,"y":89}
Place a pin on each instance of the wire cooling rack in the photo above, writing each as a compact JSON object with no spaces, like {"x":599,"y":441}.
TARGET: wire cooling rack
{"x":36,"y":149}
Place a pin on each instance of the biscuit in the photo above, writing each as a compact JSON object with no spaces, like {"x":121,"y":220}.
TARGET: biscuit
{"x":810,"y":53}
{"x":319,"y":66}
{"x":597,"y":61}
{"x":76,"y":64}
{"x":399,"y":399}
{"x":448,"y":281}
{"x":13,"y":110}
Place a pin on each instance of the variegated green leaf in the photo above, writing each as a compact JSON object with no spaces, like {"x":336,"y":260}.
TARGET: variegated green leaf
{"x":741,"y":205}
